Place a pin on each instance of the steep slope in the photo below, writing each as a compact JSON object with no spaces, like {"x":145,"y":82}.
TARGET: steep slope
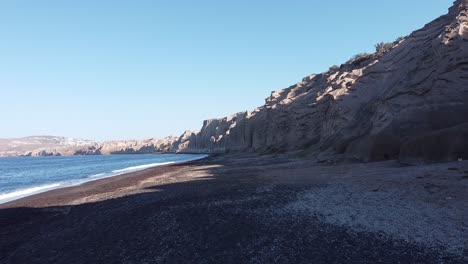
{"x":395,"y":103}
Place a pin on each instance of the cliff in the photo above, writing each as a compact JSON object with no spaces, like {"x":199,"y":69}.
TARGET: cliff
{"x":408,"y":101}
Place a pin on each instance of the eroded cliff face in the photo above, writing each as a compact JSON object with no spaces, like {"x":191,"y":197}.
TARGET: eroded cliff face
{"x":371,"y":108}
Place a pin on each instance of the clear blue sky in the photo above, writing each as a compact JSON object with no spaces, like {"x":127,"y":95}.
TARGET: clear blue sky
{"x":139,"y":69}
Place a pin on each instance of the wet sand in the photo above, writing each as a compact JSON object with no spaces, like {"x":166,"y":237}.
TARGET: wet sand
{"x":248,"y":209}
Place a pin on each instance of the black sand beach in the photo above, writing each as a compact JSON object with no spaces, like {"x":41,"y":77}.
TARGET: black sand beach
{"x":247,"y":209}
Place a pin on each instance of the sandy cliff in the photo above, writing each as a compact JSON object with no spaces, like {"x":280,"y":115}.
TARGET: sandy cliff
{"x":408,"y":101}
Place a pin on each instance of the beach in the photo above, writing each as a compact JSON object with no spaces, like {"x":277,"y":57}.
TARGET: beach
{"x":248,"y":209}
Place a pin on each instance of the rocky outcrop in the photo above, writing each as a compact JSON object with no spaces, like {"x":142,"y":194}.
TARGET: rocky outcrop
{"x":370,"y":108}
{"x":218,"y":136}
{"x":137,"y":146}
{"x":90,"y":150}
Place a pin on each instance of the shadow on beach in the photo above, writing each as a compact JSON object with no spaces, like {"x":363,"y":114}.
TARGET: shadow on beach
{"x":229,"y":213}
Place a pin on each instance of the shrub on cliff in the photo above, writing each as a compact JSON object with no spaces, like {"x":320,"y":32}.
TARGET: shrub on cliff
{"x":382,"y":47}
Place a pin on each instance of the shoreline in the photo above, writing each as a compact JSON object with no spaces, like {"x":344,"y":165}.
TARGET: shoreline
{"x":112,"y":154}
{"x":235,"y":208}
{"x":57,"y":186}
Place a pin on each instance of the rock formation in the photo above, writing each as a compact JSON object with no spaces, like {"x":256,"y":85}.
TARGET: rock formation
{"x":137,"y":146}
{"x":391,"y":104}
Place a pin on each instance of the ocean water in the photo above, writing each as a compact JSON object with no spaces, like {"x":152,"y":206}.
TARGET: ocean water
{"x":24,"y":176}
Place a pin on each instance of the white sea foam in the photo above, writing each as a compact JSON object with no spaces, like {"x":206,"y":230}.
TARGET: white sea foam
{"x":142,"y":167}
{"x":98,"y":175}
{"x":6,"y":197}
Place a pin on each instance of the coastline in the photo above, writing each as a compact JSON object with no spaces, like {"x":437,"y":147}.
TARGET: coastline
{"x":247,"y":208}
{"x":47,"y":187}
{"x":67,"y":194}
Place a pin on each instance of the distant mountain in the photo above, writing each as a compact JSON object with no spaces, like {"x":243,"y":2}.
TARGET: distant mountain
{"x":42,"y":146}
{"x":62,"y":146}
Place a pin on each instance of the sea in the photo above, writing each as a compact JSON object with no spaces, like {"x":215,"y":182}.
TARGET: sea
{"x":25,"y":176}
